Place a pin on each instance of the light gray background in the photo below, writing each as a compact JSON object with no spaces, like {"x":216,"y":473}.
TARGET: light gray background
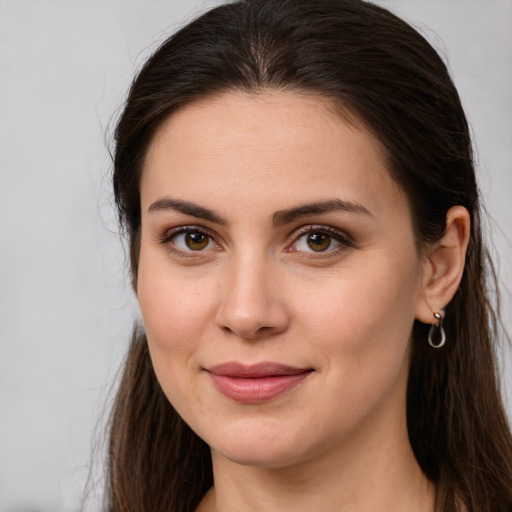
{"x":65,"y":307}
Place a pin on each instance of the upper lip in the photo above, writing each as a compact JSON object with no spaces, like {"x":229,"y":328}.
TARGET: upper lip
{"x":259,"y":370}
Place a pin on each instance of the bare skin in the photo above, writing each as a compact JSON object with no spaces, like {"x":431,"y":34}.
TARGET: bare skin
{"x":273,"y":232}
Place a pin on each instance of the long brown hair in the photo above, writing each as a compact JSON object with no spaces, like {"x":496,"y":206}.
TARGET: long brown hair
{"x":386,"y":74}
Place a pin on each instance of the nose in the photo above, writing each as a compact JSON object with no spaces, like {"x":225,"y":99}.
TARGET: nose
{"x":252,"y":306}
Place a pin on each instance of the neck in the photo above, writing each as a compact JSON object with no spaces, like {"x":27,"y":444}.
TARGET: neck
{"x":380,"y":475}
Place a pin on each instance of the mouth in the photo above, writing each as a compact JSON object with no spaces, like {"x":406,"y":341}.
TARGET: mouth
{"x":258,"y":383}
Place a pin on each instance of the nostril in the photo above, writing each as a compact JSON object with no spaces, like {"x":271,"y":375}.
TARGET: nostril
{"x":249,"y":306}
{"x":252,"y":334}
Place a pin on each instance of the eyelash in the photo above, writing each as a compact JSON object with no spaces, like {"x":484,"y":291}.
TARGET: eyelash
{"x":345,"y":241}
{"x":167,"y":238}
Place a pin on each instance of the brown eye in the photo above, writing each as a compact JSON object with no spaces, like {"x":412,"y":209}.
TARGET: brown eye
{"x":319,"y":242}
{"x":322,"y":240}
{"x":190,"y":240}
{"x":196,"y":241}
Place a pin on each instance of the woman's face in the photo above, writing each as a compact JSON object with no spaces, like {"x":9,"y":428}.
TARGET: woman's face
{"x":279,"y":278}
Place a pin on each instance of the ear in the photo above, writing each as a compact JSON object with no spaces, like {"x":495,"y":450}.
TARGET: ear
{"x":444,"y":265}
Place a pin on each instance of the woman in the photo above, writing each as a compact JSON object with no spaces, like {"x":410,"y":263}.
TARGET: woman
{"x":296,"y":182}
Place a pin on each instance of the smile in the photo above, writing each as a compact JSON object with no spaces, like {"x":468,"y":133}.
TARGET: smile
{"x":256,"y":383}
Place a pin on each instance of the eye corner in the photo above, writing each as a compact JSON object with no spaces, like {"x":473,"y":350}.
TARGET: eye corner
{"x":328,"y":240}
{"x":189,"y":242}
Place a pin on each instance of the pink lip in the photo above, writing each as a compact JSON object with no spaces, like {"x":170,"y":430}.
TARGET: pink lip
{"x":256,"y":383}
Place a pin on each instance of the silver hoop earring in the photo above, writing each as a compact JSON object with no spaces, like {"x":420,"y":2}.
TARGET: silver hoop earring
{"x":437,"y":332}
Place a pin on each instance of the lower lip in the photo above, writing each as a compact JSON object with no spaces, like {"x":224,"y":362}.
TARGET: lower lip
{"x":256,"y":390}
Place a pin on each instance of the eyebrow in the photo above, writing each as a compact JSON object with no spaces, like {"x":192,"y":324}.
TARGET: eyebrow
{"x":279,"y":218}
{"x":187,"y":208}
{"x":332,"y":205}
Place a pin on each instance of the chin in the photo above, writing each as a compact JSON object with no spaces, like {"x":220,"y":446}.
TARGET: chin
{"x":259,"y":456}
{"x":265,"y":447}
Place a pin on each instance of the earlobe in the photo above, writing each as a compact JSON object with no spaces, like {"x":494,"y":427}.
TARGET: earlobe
{"x":444,"y":265}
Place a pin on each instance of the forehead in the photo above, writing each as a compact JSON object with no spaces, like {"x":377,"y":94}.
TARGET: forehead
{"x":249,"y":145}
{"x":228,"y":117}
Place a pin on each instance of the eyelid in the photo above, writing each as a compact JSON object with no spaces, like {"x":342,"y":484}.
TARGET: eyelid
{"x":166,"y":240}
{"x":339,"y":235}
{"x":168,"y":234}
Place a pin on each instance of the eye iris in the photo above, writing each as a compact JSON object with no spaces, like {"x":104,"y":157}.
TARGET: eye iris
{"x":196,"y":241}
{"x":319,"y":241}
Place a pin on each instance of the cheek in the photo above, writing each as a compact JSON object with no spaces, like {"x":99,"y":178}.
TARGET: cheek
{"x":363,"y":332}
{"x":368,"y":312}
{"x":175,"y":318}
{"x":175,"y":309}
